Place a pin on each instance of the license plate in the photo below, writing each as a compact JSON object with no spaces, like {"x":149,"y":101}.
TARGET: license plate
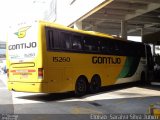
{"x":24,"y":75}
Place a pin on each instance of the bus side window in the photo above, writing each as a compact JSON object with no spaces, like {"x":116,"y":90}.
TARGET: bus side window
{"x":131,"y":49}
{"x":111,"y":47}
{"x":116,"y":46}
{"x":91,"y":44}
{"x":134,"y":50}
{"x":66,"y":40}
{"x":126,"y":49}
{"x":52,"y":37}
{"x":104,"y":46}
{"x":121,"y":48}
{"x":76,"y":42}
{"x":141,"y":50}
{"x":67,"y":44}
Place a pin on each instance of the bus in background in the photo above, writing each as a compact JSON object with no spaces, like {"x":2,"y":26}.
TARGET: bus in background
{"x":49,"y":58}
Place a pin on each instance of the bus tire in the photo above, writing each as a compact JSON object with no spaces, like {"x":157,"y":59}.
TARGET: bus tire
{"x":81,"y":86}
{"x":95,"y":84}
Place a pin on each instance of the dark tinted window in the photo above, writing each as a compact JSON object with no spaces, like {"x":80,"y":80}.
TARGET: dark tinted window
{"x":52,"y":39}
{"x":76,"y":42}
{"x":114,"y":47}
{"x":110,"y":46}
{"x":134,"y":49}
{"x":71,"y":41}
{"x":91,"y":43}
{"x":104,"y":46}
{"x":141,"y":50}
{"x":66,"y":40}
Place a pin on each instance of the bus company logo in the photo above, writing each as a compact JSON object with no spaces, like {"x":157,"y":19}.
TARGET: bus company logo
{"x":22,"y":32}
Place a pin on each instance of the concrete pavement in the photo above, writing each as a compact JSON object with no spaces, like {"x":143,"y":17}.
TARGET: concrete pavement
{"x":6,"y":104}
{"x":120,"y":100}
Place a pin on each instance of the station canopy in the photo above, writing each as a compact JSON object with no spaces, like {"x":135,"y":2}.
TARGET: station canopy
{"x":138,"y":14}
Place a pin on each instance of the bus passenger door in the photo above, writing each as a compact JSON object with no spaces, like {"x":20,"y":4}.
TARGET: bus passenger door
{"x":149,"y":58}
{"x":150,"y":63}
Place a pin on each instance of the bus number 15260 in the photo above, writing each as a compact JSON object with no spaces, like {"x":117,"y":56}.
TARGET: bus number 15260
{"x":61,"y":59}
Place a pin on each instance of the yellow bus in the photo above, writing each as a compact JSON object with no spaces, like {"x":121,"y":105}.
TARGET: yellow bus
{"x":49,"y":58}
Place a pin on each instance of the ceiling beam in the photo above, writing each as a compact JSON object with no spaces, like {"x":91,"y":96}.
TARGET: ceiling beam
{"x":144,"y":27}
{"x":138,"y":12}
{"x":126,"y":5}
{"x":140,"y":1}
{"x":115,"y":11}
{"x":111,"y":31}
{"x":103,"y":19}
{"x":110,"y":24}
{"x":107,"y":16}
{"x":144,"y":20}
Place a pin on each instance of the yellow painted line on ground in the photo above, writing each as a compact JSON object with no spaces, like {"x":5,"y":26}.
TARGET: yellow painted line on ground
{"x":83,"y":110}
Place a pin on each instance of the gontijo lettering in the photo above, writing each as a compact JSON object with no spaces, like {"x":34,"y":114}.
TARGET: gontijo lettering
{"x":23,"y":46}
{"x":105,"y":60}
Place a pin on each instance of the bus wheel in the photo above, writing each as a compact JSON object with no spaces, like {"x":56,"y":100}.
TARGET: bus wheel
{"x":95,"y":84}
{"x":81,"y":86}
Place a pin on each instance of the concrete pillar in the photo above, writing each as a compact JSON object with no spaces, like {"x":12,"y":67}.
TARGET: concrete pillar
{"x":78,"y":25}
{"x":124,"y":29}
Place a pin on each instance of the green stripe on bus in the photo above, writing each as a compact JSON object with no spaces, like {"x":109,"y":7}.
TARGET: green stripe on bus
{"x":130,"y":67}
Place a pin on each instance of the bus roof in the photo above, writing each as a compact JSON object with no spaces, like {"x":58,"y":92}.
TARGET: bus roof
{"x":49,"y":24}
{"x":94,"y":33}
